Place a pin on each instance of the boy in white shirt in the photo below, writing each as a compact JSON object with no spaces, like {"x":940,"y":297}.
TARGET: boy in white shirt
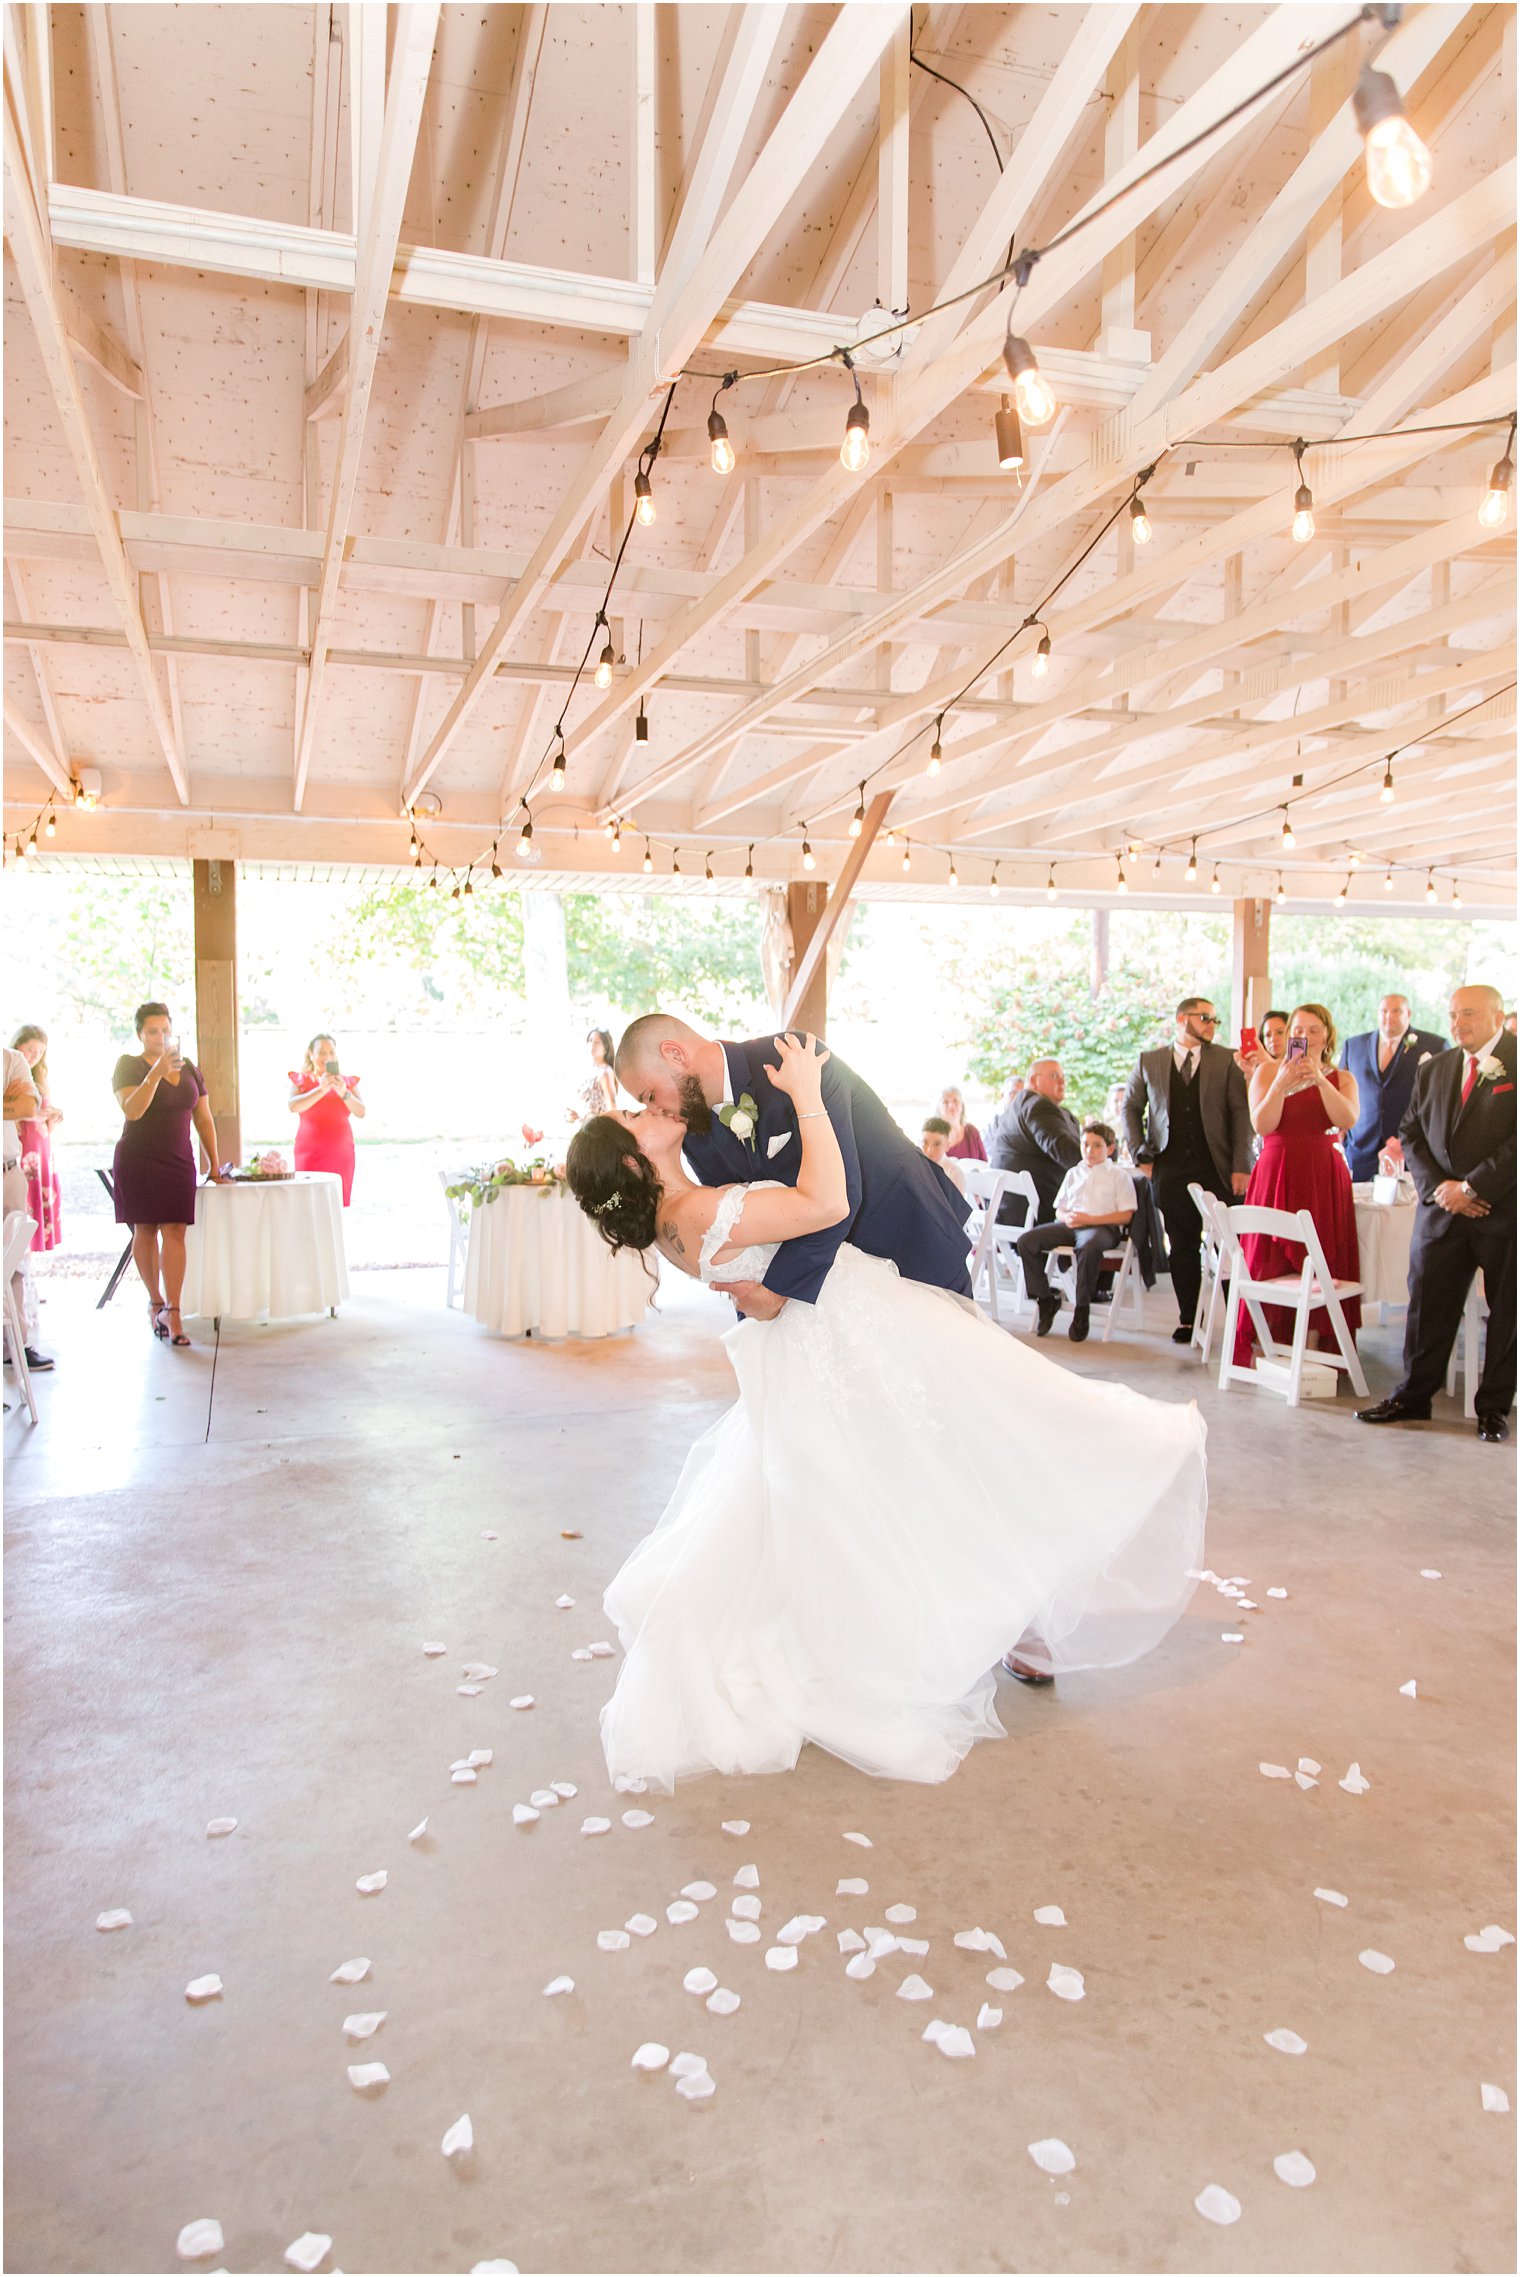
{"x":934,"y":1141}
{"x":1094,"y":1205}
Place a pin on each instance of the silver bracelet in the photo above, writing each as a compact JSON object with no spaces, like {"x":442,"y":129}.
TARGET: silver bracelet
{"x":812,"y":1115}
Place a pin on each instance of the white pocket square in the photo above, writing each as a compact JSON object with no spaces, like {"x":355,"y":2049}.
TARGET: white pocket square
{"x":773,"y":1146}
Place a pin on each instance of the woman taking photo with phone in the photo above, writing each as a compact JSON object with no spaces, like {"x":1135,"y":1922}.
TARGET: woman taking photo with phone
{"x":161,"y":1094}
{"x":1302,"y":1104}
{"x":325,"y":1101}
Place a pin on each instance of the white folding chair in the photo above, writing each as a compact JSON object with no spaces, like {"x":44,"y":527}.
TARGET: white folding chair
{"x":1312,"y":1289}
{"x":459,"y":1238}
{"x":1128,"y":1287}
{"x":19,"y":1229}
{"x":1215,"y":1262}
{"x":1466,"y":1351}
{"x":1005,"y":1239}
{"x":984,"y":1191}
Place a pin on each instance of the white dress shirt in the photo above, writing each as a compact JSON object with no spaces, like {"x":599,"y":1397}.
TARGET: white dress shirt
{"x":1182,"y":1053}
{"x":1103,"y":1191}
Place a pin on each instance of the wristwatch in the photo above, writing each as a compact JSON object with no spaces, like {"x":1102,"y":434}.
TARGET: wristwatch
{"x":1469,"y":1191}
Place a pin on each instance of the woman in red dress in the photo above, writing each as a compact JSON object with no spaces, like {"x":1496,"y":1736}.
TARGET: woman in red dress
{"x":1301,"y":1105}
{"x":325,"y":1102}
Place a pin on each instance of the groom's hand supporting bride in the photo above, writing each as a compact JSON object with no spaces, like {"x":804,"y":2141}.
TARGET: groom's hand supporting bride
{"x":753,"y":1298}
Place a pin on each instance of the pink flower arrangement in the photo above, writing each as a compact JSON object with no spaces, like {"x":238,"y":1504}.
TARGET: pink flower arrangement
{"x":531,"y":1137}
{"x":271,"y":1165}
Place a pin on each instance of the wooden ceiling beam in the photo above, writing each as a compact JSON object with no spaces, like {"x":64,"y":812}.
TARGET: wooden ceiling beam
{"x":39,"y":748}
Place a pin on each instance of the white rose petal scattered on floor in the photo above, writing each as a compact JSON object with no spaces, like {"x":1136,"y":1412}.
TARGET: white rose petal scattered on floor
{"x":460,"y":2138}
{"x":950,"y":2039}
{"x":350,"y":1972}
{"x":1287,"y":2043}
{"x":638,"y":1818}
{"x":1231,"y":1636}
{"x":1052,"y":2156}
{"x":745,"y":1908}
{"x":851,"y":1941}
{"x":1066,"y":1984}
{"x":852,"y":1886}
{"x":557,"y":1985}
{"x":862,"y":1841}
{"x":988,"y":2018}
{"x":221,"y":1826}
{"x":601,"y":1650}
{"x":117,"y":1918}
{"x":650,"y":2057}
{"x":1354,"y":1783}
{"x":700,"y":1981}
{"x":1004,"y":1980}
{"x":199,"y":2239}
{"x":596,"y":1826}
{"x":613,"y":1940}
{"x":980,"y":1941}
{"x":882,"y":1942}
{"x":680,"y":1911}
{"x":1332,"y":1897}
{"x":368,"y":2075}
{"x":696,"y":2086}
{"x":1293,"y":2168}
{"x":914,"y":1988}
{"x":1050,"y":1916}
{"x":861,"y":1965}
{"x":780,"y":1957}
{"x":468,"y":1691}
{"x":565,"y":1790}
{"x":627,"y":1786}
{"x":365,"y":2026}
{"x":433,"y":1650}
{"x":641,"y":1924}
{"x":478,"y":1672}
{"x":368,"y":1884}
{"x":747,"y":1878}
{"x":580,"y":1653}
{"x":1217,"y":2205}
{"x":723,"y":2002}
{"x":1494,"y":2098}
{"x":1409,"y":1691}
{"x":544,"y":1799}
{"x":1379,"y":1963}
{"x":204,"y":1988}
{"x":523,"y":1814}
{"x":801,"y":1925}
{"x":418,"y":1831}
{"x":1492,"y":1939}
{"x":1429,"y":1573}
{"x":686,"y":2065}
{"x":701,"y":1891}
{"x":917,"y":1945}
{"x":743,"y":1932}
{"x":464,"y":1778}
{"x":902,"y":1913}
{"x":1246,"y":1605}
{"x":1277,"y":1593}
{"x":736,"y":1826}
{"x":1307,"y":1763}
{"x":494,"y":2268}
{"x":480,"y":1757}
{"x":309,"y":2251}
{"x":487,"y":1534}
{"x":1274,"y":1770}
{"x":523,"y":1700}
{"x":563,"y":1604}
{"x":1302,"y":1779}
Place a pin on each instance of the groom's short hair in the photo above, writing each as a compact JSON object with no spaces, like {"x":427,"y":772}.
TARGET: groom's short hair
{"x":642,"y":1039}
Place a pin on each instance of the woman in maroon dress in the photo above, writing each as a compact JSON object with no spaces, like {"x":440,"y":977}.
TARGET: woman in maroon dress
{"x":161,"y":1095}
{"x":1301,"y":1104}
{"x":325,"y":1102}
{"x":965,"y":1139}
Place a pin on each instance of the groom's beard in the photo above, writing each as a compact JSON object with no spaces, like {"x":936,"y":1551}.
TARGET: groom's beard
{"x":694,"y":1111}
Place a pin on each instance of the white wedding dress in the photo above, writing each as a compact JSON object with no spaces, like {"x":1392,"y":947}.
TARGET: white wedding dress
{"x":900,"y":1492}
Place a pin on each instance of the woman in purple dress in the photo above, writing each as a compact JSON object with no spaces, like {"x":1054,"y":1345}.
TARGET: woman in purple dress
{"x":161,"y":1095}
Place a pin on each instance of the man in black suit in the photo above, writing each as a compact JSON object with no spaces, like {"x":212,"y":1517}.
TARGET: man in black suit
{"x":1459,"y":1146}
{"x":1188,"y":1121}
{"x":1034,"y":1132}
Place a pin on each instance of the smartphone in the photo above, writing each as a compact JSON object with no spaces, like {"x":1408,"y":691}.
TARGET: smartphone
{"x":1247,"y":1041}
{"x":1297,"y":1047}
{"x":332,"y":1067}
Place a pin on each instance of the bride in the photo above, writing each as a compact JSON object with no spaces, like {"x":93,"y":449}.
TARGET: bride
{"x":900,"y":1490}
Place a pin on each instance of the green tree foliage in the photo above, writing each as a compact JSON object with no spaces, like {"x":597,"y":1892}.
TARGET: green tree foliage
{"x":1349,"y":963}
{"x":120,"y":942}
{"x":431,"y":950}
{"x":633,"y":953}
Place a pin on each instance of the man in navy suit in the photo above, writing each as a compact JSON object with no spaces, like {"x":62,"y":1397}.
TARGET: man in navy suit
{"x":902,"y":1206}
{"x":1385,"y":1063}
{"x":1459,"y":1144}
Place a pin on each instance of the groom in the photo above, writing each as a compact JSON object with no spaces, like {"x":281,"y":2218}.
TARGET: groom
{"x":739,"y":1129}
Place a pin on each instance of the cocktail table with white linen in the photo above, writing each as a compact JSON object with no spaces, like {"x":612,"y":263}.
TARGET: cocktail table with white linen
{"x":536,"y":1266}
{"x":1384,"y":1232}
{"x":267,"y":1249}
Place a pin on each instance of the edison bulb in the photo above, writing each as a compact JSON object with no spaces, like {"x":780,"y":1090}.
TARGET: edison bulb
{"x":1042,"y":658}
{"x":1494,"y":511}
{"x":1303,"y":515}
{"x":1139,"y":524}
{"x":644,"y":509}
{"x":1032,"y":391}
{"x":855,"y":450}
{"x":1398,"y":164}
{"x":723,"y":461}
{"x":604,"y":664}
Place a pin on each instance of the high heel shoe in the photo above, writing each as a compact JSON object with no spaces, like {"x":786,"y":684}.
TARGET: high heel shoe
{"x":156,"y":1321}
{"x":178,"y":1336}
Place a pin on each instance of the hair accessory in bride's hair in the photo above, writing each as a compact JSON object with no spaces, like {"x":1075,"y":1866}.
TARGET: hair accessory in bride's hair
{"x":611,"y":1203}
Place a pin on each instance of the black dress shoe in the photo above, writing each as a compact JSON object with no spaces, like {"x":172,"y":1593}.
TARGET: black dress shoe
{"x":1049,"y":1307}
{"x":1393,"y":1410}
{"x":1183,"y":1332}
{"x":1079,"y":1320}
{"x":1493,"y":1428}
{"x":38,"y":1362}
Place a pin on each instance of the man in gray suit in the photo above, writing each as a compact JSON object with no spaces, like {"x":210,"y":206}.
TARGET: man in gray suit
{"x":1188,"y":1121}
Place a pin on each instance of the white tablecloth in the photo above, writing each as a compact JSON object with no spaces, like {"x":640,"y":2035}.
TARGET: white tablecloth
{"x":535,"y":1262}
{"x":1384,"y":1231}
{"x":267,"y":1251}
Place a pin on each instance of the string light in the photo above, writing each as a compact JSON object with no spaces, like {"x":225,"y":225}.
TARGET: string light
{"x":605,"y":662}
{"x":50,"y":827}
{"x":643,"y":499}
{"x":28,"y":847}
{"x":1121,"y":883}
{"x":1032,"y":391}
{"x":1281,"y":894}
{"x":708,"y":869}
{"x":495,"y":865}
{"x":1042,"y":657}
{"x":1139,"y":521}
{"x":524,"y":839}
{"x":1191,"y":872}
{"x":1398,"y":164}
{"x":1430,"y":885}
{"x":648,"y":860}
{"x":809,"y":858}
{"x":641,"y":724}
{"x":992,"y":886}
{"x":936,"y":748}
{"x":954,"y":874}
{"x":1288,"y":839}
{"x":1388,"y":882}
{"x":855,"y":450}
{"x":1214,"y":883}
{"x":1456,"y":895}
{"x":1050,"y":884}
{"x":858,"y":818}
{"x":749,"y":863}
{"x":1494,"y":511}
{"x":1386,"y":794}
{"x":1010,"y":436}
{"x":1340,"y":899}
{"x":675,"y":861}
{"x":722,"y":453}
{"x":1303,"y":502}
{"x":907,"y":860}
{"x":469,"y":883}
{"x":557,"y":768}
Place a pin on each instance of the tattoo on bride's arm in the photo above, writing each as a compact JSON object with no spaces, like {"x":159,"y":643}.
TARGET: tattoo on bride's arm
{"x":676,"y":1243}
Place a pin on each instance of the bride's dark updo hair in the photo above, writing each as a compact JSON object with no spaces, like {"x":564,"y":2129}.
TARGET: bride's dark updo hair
{"x":614,"y":1183}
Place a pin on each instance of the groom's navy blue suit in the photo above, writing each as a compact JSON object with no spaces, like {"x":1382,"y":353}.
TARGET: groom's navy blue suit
{"x":902,"y":1206}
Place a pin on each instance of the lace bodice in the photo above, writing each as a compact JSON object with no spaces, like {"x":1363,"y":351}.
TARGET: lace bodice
{"x":751,"y":1264}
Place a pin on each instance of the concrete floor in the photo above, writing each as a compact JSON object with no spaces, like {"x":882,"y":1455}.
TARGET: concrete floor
{"x":219,"y":1607}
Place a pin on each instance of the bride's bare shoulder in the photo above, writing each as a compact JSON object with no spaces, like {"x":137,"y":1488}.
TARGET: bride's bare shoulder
{"x":685,"y":1218}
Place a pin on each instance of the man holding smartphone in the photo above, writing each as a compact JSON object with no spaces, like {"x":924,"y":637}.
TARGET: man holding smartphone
{"x":1188,"y":1122}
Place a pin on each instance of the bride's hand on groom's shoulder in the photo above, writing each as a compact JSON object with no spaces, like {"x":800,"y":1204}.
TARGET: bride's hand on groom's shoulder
{"x":800,"y":1074}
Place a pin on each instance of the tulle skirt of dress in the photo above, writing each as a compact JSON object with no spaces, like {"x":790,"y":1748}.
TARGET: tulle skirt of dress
{"x":900,"y":1492}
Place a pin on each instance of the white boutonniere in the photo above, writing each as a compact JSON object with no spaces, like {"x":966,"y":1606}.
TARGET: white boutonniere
{"x":741,"y":1119}
{"x":1490,"y":1068}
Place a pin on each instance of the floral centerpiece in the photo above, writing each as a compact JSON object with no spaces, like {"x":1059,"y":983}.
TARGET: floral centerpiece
{"x":483,"y":1185}
{"x":265,"y":1166}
